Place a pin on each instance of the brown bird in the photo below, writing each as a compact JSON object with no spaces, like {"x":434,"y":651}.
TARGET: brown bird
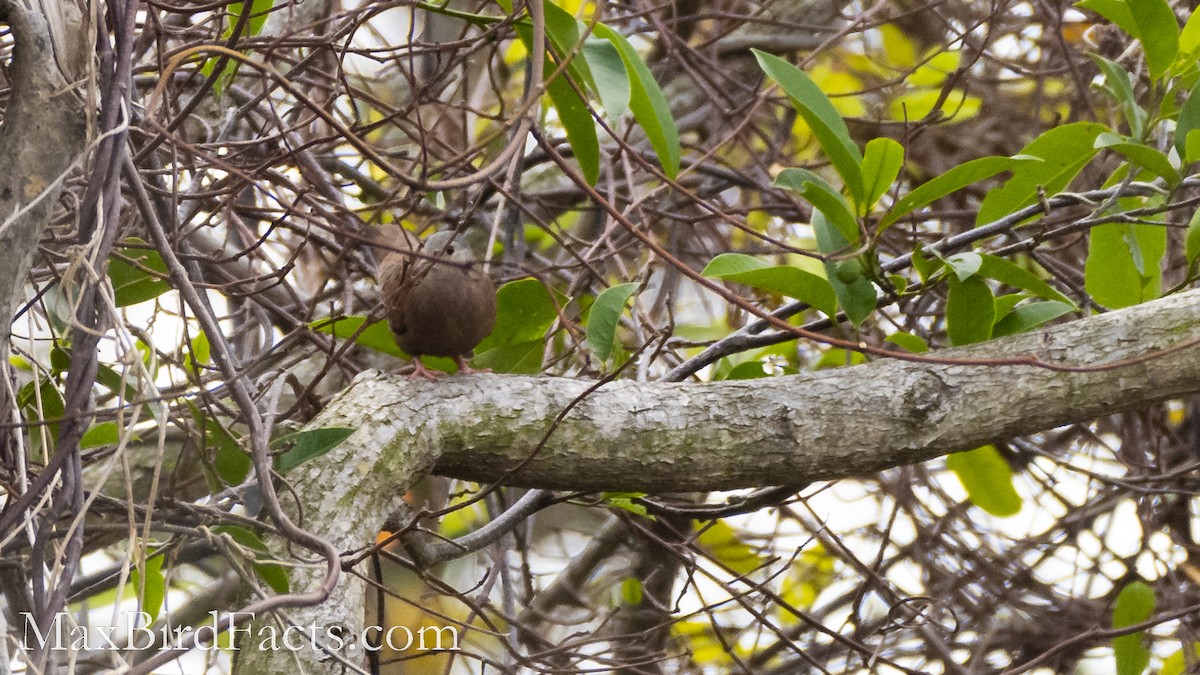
{"x":437,"y":304}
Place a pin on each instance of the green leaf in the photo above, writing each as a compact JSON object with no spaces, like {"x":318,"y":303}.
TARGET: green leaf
{"x":647,"y":102}
{"x":1135,"y":604}
{"x":563,"y":31}
{"x":823,"y":197}
{"x":523,"y":358}
{"x":137,"y":275}
{"x":908,"y":342}
{"x":988,"y":480}
{"x":1007,"y":272}
{"x":1151,"y":243}
{"x":1140,"y":154}
{"x":259,"y":10}
{"x":44,"y":402}
{"x":1158,"y":30}
{"x":608,"y":71}
{"x":855,"y":292}
{"x":230,"y":462}
{"x":626,"y":502}
{"x":970,"y":311}
{"x":1189,"y":121}
{"x":576,"y":118}
{"x":114,"y":382}
{"x":199,"y":353}
{"x":1122,"y":263}
{"x":60,"y":360}
{"x":1120,"y":87}
{"x":273,"y":575}
{"x":604,"y":316}
{"x":783,"y":279}
{"x":258,"y":18}
{"x":925,"y":266}
{"x":1006,"y":304}
{"x":1192,"y":145}
{"x":881,"y":164}
{"x":155,"y":589}
{"x":827,"y":125}
{"x":1192,"y":246}
{"x":750,"y":370}
{"x":794,"y":179}
{"x":524,"y":312}
{"x":827,"y":200}
{"x":955,"y":179}
{"x":965,"y":265}
{"x":307,"y":444}
{"x":839,"y":358}
{"x":1030,"y":316}
{"x":376,"y":336}
{"x":732,"y":264}
{"x":104,"y":433}
{"x":227,"y":72}
{"x":1065,"y":150}
{"x":1116,"y":11}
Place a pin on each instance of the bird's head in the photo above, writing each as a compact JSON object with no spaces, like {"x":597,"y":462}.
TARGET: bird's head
{"x":446,"y":244}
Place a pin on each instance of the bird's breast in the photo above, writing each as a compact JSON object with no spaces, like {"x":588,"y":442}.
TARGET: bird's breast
{"x":446,"y":313}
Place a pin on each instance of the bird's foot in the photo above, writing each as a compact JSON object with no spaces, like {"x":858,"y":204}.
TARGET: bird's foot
{"x":420,"y":370}
{"x":466,"y":369}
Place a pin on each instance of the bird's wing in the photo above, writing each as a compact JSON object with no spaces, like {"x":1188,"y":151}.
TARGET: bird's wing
{"x":393,"y":274}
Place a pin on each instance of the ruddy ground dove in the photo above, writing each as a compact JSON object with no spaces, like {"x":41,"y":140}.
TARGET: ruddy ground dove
{"x":438,"y":303}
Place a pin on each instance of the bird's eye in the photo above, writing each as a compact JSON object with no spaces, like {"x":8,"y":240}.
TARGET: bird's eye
{"x":450,"y":249}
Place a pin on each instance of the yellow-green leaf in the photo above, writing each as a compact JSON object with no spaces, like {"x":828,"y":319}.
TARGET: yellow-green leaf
{"x":1135,"y":604}
{"x":723,"y":544}
{"x":988,"y":480}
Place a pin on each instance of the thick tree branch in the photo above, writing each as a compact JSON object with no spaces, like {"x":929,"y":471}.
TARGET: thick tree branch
{"x":43,"y":139}
{"x":817,"y":426}
{"x":44,"y":132}
{"x":660,"y":437}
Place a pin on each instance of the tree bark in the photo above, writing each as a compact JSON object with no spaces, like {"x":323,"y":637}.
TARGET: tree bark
{"x":42,"y":139}
{"x":656,"y":437}
{"x":43,"y":135}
